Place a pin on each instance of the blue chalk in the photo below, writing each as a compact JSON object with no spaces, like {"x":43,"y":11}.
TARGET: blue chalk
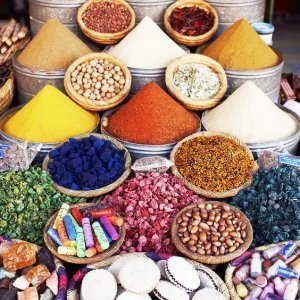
{"x":70,"y":228}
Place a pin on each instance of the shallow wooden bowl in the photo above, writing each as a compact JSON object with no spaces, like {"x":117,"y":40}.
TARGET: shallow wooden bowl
{"x":189,"y":103}
{"x":190,"y":41}
{"x":211,"y":259}
{"x":115,"y":246}
{"x":105,"y":38}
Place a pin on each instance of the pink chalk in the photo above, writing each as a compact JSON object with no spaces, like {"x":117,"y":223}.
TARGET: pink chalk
{"x":21,"y":283}
{"x":52,"y":283}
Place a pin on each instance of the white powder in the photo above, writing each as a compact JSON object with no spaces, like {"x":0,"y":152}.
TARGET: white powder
{"x":251,"y":116}
{"x":146,"y":47}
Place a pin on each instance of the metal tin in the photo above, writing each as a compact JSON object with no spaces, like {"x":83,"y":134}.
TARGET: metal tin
{"x":63,"y":10}
{"x":30,"y":81}
{"x":141,"y":150}
{"x":290,"y":143}
{"x":230,"y":11}
{"x":151,"y":8}
{"x":46,"y":147}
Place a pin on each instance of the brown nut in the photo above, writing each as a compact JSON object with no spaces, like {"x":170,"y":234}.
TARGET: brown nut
{"x":222,"y":250}
{"x":179,"y":220}
{"x":202,"y":236}
{"x":185,"y":239}
{"x":229,"y":242}
{"x":209,"y":207}
{"x":214,"y":238}
{"x":233,"y":234}
{"x":231,"y":249}
{"x":214,"y":249}
{"x":207,"y":246}
{"x":193,"y":248}
{"x":194,"y":237}
{"x":196,"y":222}
{"x":225,"y":233}
{"x":225,"y":215}
{"x":217,"y":243}
{"x":204,"y":226}
{"x":194,"y":229}
{"x":191,"y":243}
{"x":181,"y":229}
{"x":200,"y":251}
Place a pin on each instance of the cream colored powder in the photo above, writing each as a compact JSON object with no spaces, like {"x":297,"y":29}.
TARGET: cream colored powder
{"x":251,"y":116}
{"x":146,"y":47}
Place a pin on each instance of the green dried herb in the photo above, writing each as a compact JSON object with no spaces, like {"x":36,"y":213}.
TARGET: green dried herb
{"x":27,"y":201}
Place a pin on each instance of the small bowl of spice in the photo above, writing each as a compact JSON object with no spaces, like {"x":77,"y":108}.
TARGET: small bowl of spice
{"x":97,"y":81}
{"x":211,"y":232}
{"x":213,"y":164}
{"x":106,"y":21}
{"x":196,"y":81}
{"x":191,"y":22}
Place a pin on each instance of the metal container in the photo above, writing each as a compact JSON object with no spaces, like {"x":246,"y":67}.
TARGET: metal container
{"x":230,"y":11}
{"x":140,"y":77}
{"x":63,"y":10}
{"x":290,"y":143}
{"x":46,"y":147}
{"x":141,"y":150}
{"x":30,"y":81}
{"x":155,"y":9}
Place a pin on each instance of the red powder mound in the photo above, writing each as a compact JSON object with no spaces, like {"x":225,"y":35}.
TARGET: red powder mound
{"x":152,"y":117}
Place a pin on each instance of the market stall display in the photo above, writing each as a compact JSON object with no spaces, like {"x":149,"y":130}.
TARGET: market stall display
{"x":196,"y":81}
{"x":213,"y":164}
{"x":117,"y":19}
{"x":88,"y":166}
{"x":84,"y":233}
{"x":7,"y":88}
{"x":211,"y":232}
{"x":46,"y":58}
{"x":97,"y":81}
{"x":266,"y":272}
{"x":171,"y":284}
{"x":191,"y":22}
{"x":30,"y":272}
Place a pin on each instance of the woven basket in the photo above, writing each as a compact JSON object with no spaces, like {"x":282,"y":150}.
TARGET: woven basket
{"x":105,"y":38}
{"x":232,"y":266}
{"x":97,"y":105}
{"x":210,"y":194}
{"x":114,"y":247}
{"x":7,"y":94}
{"x":210,"y":259}
{"x":75,"y":282}
{"x":60,"y":270}
{"x":100,"y":191}
{"x":190,"y":41}
{"x":194,"y":104}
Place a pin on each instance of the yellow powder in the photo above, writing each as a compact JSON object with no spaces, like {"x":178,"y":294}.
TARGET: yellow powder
{"x":241,"y":48}
{"x":50,"y":117}
{"x":54,"y":47}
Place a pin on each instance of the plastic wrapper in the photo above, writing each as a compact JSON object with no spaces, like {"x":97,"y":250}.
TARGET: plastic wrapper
{"x":277,"y":157}
{"x":17,"y":155}
{"x":157,"y":164}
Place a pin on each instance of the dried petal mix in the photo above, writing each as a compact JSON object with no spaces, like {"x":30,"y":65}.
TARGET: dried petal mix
{"x":214,"y":163}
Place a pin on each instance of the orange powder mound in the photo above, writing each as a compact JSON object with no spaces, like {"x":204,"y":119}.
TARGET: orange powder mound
{"x":241,"y":48}
{"x":152,"y":117}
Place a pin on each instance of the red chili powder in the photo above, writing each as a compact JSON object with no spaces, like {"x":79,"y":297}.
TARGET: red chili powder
{"x":152,"y":117}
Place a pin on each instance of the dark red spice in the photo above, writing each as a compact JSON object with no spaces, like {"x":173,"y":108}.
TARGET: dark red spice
{"x":191,"y":21}
{"x":106,"y":17}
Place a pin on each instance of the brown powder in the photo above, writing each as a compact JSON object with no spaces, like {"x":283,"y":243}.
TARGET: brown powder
{"x":54,"y":47}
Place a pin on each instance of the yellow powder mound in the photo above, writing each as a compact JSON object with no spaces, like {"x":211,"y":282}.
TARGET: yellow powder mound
{"x":54,"y":47}
{"x":50,"y":117}
{"x":241,"y":48}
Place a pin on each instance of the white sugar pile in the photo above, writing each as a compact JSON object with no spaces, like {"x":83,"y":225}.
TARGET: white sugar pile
{"x":146,"y":47}
{"x":251,"y":116}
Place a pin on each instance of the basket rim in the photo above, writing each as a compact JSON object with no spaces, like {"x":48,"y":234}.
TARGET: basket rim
{"x":102,"y":190}
{"x":98,"y":36}
{"x":200,"y":191}
{"x":86,"y":260}
{"x":201,"y":60}
{"x":210,"y":259}
{"x":97,"y":105}
{"x":230,"y":269}
{"x":191,"y":40}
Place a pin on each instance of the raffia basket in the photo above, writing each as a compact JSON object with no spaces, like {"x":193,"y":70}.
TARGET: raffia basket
{"x":189,"y":103}
{"x":75,"y":282}
{"x":234,"y":264}
{"x":190,"y":41}
{"x":59,"y":268}
{"x":200,"y":191}
{"x":7,"y":94}
{"x":114,"y":247}
{"x":105,"y":38}
{"x":103,"y":190}
{"x":97,"y":105}
{"x":211,"y":259}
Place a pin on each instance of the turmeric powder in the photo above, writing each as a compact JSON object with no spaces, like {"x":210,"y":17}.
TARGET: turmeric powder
{"x":241,"y":48}
{"x":50,"y":117}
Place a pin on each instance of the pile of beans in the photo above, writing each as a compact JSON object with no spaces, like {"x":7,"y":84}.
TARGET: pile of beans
{"x":148,"y":202}
{"x":98,"y":79}
{"x":211,"y":229}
